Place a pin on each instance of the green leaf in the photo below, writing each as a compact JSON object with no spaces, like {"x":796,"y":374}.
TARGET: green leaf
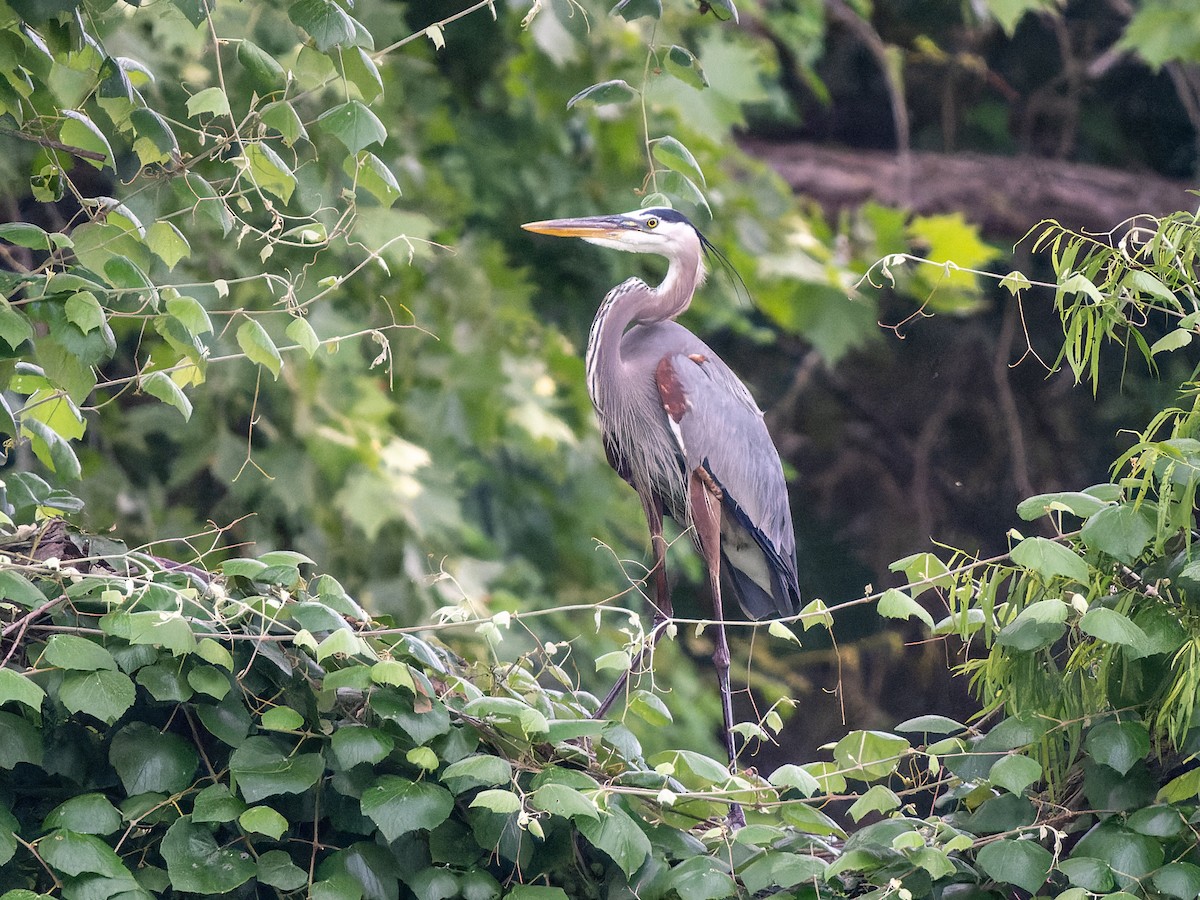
{"x":636,"y":9}
{"x":228,"y":721}
{"x":19,"y":742}
{"x":1156,"y":821}
{"x":258,"y":346}
{"x":1038,"y":625}
{"x":361,"y":71}
{"x":282,"y":116}
{"x":78,"y":131}
{"x":614,"y":91}
{"x":104,"y":694}
{"x":868,"y":755}
{"x":1014,"y":282}
{"x":878,"y":799}
{"x":560,"y":800}
{"x":617,"y":835}
{"x":1118,"y":745}
{"x":923,"y":570}
{"x":816,"y":613}
{"x":342,"y":643}
{"x":167,"y":243}
{"x":325,"y":21}
{"x":793,"y":776}
{"x":674,"y":155}
{"x":1010,"y":12}
{"x":71,"y":853}
{"x":1022,"y":863}
{"x":77,"y":653}
{"x":1131,"y":856}
{"x":650,"y":708}
{"x":263,"y":769}
{"x":1120,"y":531}
{"x":275,"y":867}
{"x":24,"y":234}
{"x":701,"y":878}
{"x":354,"y":125}
{"x":264,"y":167}
{"x":423,"y":758}
{"x":84,"y":311}
{"x":15,"y":328}
{"x":930,"y":725}
{"x":199,"y":195}
{"x":1088,"y":873}
{"x":895,"y":604}
{"x":155,"y":141}
{"x":372,"y":175}
{"x":1110,"y":626}
{"x":502,"y":710}
{"x":1178,"y":879}
{"x":266,"y":74}
{"x":216,"y":804}
{"x":16,"y":688}
{"x":498,"y":801}
{"x":1050,"y":559}
{"x":264,"y":820}
{"x":1015,"y":773}
{"x":1078,"y":283}
{"x":681,"y":63}
{"x":482,"y":770}
{"x":1077,"y":503}
{"x":8,"y":848}
{"x":282,"y":718}
{"x":399,"y":806}
{"x":393,"y":672}
{"x":85,"y":814}
{"x":615,"y":661}
{"x":781,"y":870}
{"x":160,"y":628}
{"x":1172,"y":340}
{"x":211,"y":100}
{"x":51,"y":448}
{"x":535,"y":892}
{"x":209,"y":680}
{"x":147,"y":760}
{"x":302,"y":333}
{"x":195,"y":863}
{"x":16,"y":587}
{"x":160,"y":385}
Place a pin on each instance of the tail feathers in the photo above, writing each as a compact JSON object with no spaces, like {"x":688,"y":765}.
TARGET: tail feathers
{"x":755,"y":600}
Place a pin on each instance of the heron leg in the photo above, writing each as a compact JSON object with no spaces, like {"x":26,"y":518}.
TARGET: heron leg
{"x":661,"y":602}
{"x":706,"y":518}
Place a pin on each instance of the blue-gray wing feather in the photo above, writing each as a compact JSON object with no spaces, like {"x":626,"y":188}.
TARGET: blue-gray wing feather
{"x":718,"y":426}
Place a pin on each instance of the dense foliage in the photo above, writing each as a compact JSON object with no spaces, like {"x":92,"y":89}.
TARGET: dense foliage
{"x":227,"y":290}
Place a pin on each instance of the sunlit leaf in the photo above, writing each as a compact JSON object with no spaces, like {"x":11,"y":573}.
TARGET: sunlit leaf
{"x":258,"y":346}
{"x":354,"y":125}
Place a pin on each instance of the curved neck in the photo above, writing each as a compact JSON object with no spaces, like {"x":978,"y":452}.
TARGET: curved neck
{"x":632,"y":302}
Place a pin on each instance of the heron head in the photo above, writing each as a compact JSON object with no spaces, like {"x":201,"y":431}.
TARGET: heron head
{"x":658,"y":230}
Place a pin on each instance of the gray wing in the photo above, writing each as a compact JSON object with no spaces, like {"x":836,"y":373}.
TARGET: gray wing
{"x":718,"y":426}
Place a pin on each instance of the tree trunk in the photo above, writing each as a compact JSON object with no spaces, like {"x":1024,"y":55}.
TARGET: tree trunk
{"x":1005,"y":196}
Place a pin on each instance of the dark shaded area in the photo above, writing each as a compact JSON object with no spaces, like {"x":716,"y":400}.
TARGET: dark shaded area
{"x":939,"y":428}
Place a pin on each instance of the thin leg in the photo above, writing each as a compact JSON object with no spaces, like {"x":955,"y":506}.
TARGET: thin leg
{"x":661,"y":602}
{"x":706,"y":518}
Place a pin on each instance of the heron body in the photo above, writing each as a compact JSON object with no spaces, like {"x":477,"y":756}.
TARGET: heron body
{"x":679,"y":407}
{"x":685,"y":433}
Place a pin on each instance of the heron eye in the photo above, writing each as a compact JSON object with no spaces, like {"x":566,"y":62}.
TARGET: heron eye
{"x":652,"y":223}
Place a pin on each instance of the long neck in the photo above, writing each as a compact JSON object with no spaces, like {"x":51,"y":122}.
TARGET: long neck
{"x":635,"y":301}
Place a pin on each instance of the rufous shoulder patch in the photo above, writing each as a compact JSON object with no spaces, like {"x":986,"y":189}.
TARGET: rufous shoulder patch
{"x":670,"y":390}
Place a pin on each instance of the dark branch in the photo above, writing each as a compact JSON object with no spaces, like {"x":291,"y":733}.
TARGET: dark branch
{"x":1005,"y":196}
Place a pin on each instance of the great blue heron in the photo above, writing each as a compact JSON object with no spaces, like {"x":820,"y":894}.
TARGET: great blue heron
{"x":681,"y":428}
